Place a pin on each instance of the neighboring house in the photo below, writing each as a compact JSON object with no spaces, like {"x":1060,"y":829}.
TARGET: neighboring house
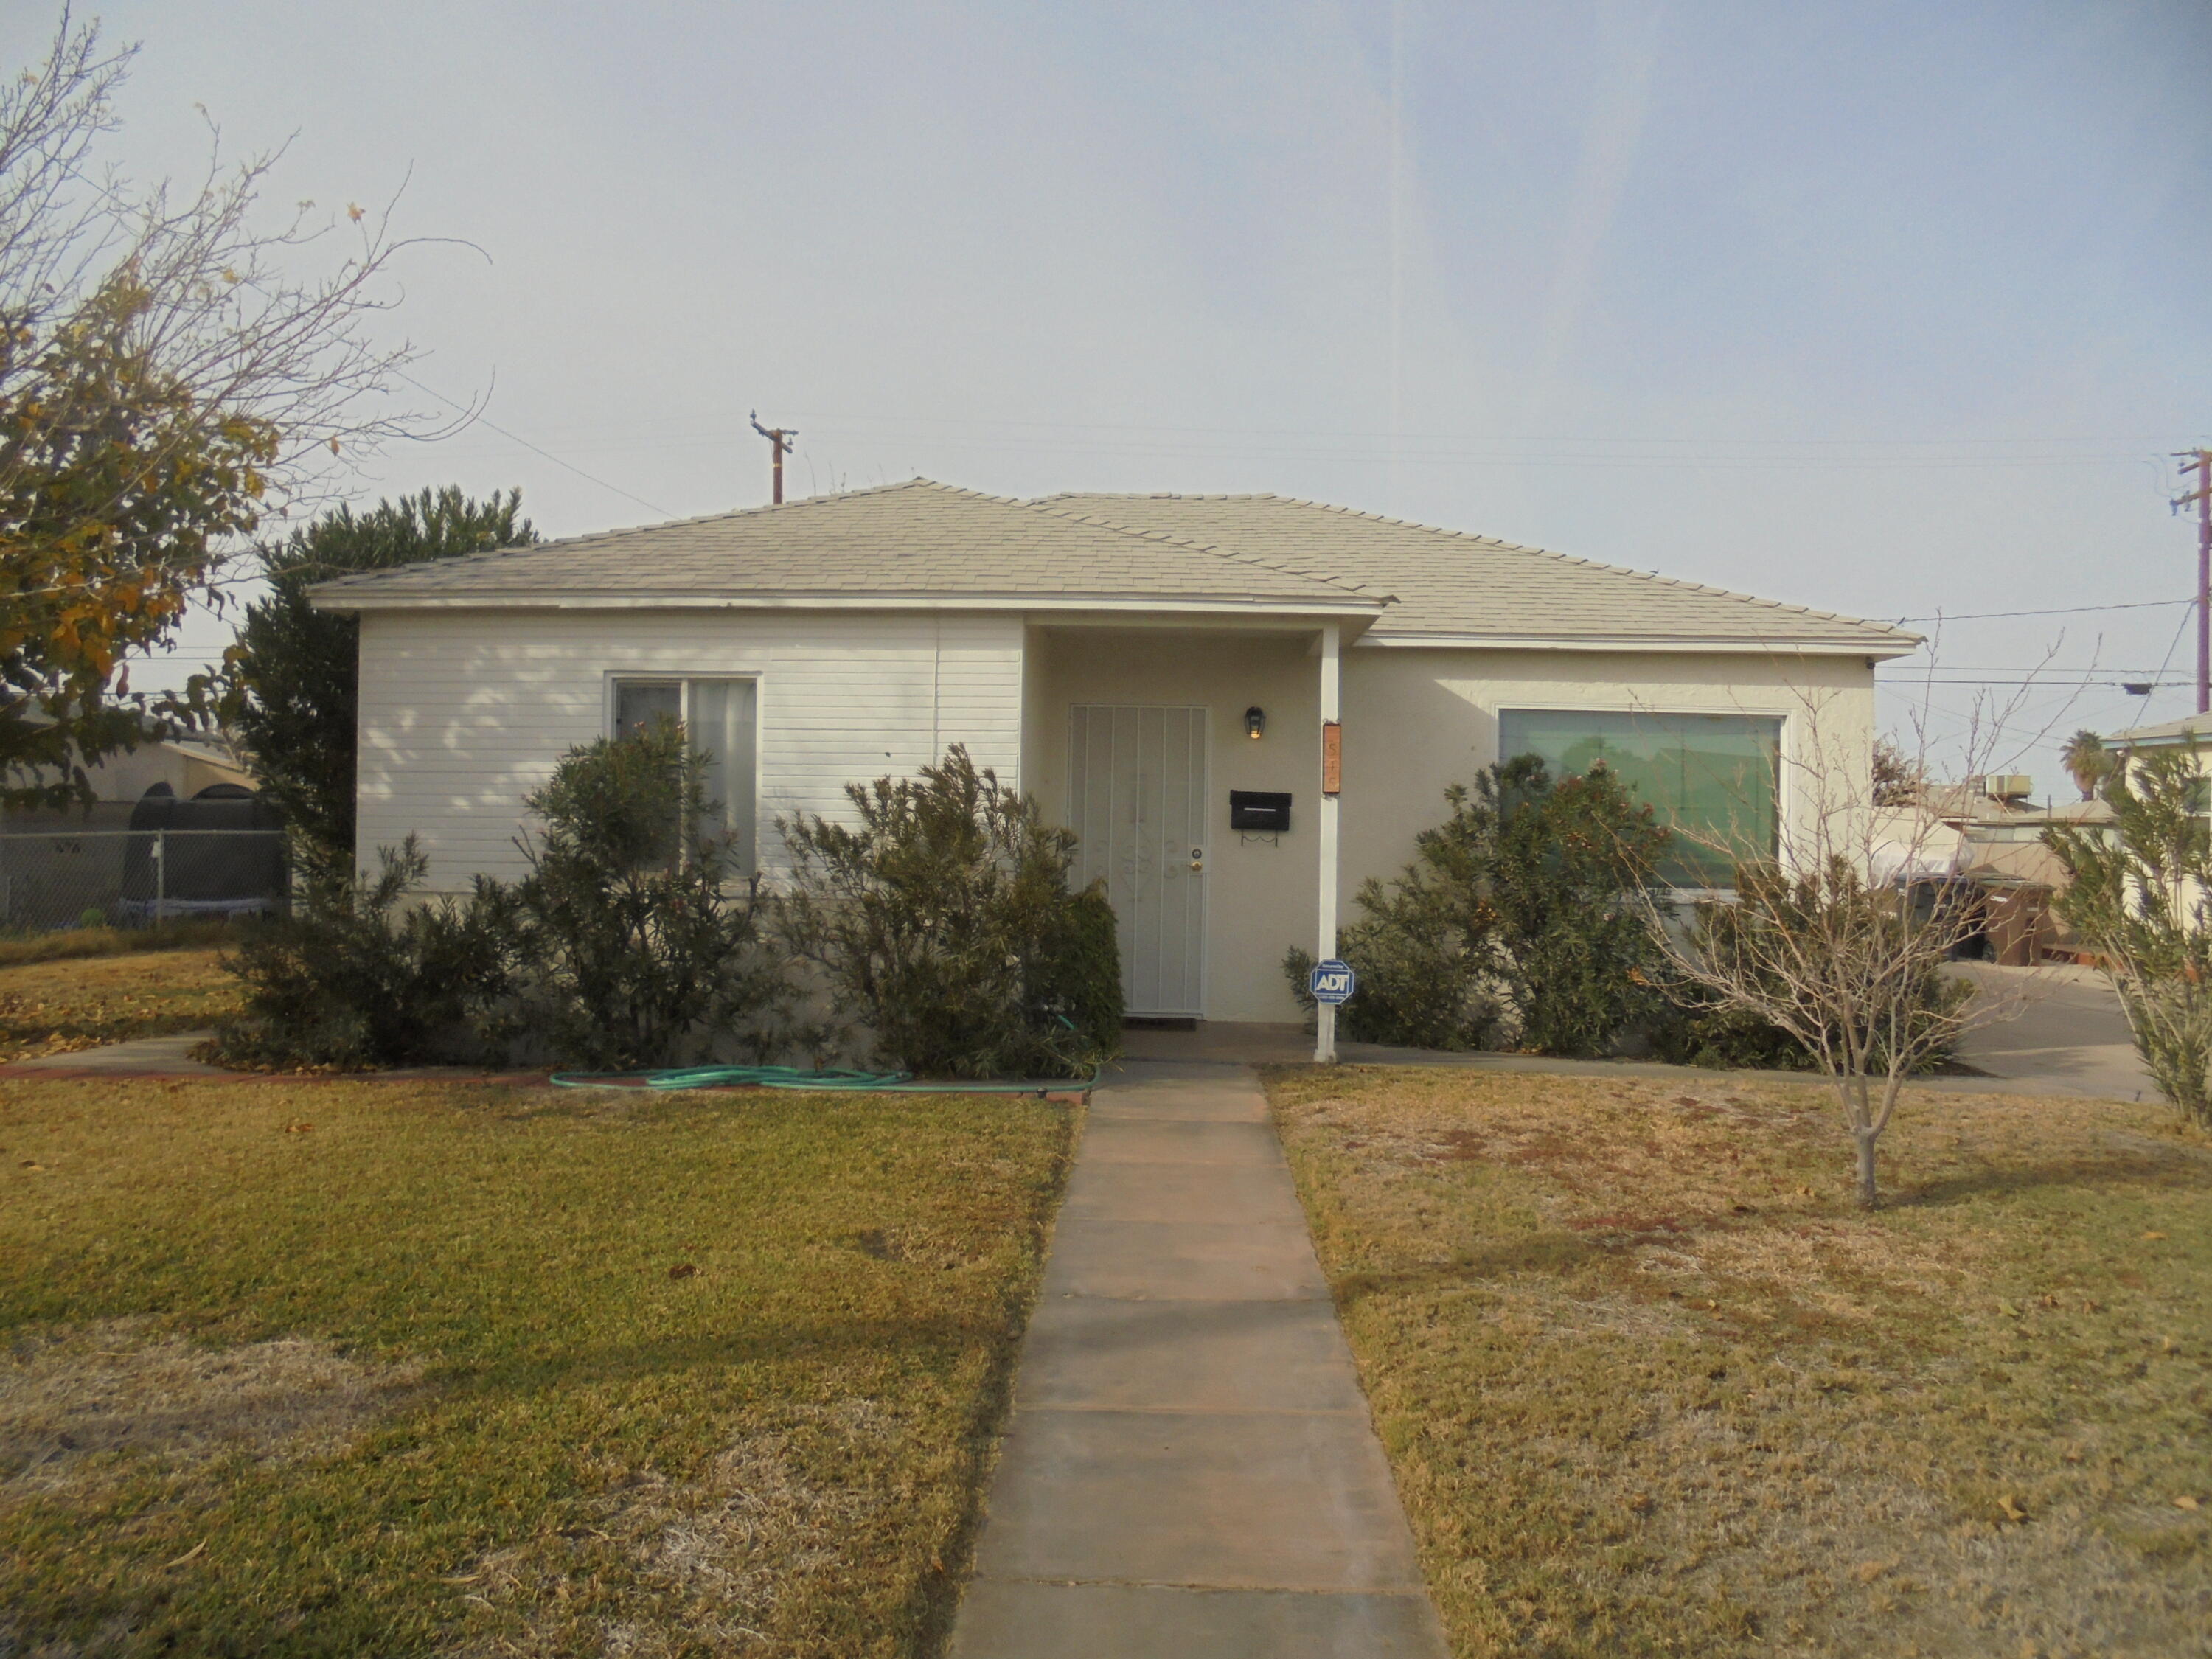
{"x":2190,"y":732}
{"x":143,"y":846}
{"x":186,"y":765}
{"x":1131,"y":661}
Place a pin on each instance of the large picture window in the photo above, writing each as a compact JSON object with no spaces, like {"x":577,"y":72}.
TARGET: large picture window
{"x":718,"y":717}
{"x":1714,"y":780}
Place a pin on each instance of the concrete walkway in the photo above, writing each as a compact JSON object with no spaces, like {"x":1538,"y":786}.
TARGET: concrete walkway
{"x":2070,"y":1037}
{"x":1190,"y":1470}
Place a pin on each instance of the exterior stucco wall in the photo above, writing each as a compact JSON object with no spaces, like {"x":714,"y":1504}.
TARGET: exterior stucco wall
{"x":463,"y":714}
{"x":1415,"y":719}
{"x":1261,"y":898}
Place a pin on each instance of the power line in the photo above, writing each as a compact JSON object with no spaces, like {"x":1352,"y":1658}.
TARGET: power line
{"x":476,"y":417}
{"x":2059,"y":610}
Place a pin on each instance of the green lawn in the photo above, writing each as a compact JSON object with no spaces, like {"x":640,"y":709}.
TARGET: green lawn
{"x":385,"y":1368}
{"x":1651,"y":1386}
{"x":52,"y":1006}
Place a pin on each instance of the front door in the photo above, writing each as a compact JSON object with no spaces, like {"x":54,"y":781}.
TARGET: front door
{"x":1136,"y":796}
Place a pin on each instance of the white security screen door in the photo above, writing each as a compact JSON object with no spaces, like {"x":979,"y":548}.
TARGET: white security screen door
{"x":1136,"y":796}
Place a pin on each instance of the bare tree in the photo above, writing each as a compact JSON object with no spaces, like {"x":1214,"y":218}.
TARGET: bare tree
{"x":167,"y":380}
{"x":1842,"y":937}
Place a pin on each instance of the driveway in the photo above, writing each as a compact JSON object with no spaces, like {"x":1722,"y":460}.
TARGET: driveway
{"x":2070,"y":1037}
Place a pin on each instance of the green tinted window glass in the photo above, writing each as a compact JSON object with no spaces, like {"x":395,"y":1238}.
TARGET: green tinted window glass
{"x":1714,"y":779}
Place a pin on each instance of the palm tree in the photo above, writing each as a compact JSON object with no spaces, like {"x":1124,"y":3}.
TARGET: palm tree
{"x":2090,"y":762}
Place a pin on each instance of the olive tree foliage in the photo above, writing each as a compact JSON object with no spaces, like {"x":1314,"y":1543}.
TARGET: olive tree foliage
{"x":2140,"y":899}
{"x":1833,"y":941}
{"x":941,"y":920}
{"x":291,"y":684}
{"x":166,"y":381}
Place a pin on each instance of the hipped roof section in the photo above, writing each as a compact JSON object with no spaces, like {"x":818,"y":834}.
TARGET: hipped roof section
{"x":914,"y":541}
{"x":1449,"y":584}
{"x":923,"y":542}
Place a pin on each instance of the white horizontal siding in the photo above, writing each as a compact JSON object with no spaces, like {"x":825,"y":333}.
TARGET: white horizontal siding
{"x":462,"y":714}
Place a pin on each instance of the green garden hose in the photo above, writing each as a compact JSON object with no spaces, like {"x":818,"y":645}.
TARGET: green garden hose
{"x":790,"y":1077}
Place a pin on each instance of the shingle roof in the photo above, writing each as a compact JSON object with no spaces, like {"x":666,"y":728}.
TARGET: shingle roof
{"x":917,"y":539}
{"x":921,"y":541}
{"x":2188,"y":729}
{"x":1449,"y":583}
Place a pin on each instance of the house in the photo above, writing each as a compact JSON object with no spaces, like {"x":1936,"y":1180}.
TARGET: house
{"x":62,"y":866}
{"x":186,"y":765}
{"x":1136,"y":663}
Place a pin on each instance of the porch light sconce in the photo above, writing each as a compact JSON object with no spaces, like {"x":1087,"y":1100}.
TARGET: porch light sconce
{"x":1256,"y":722}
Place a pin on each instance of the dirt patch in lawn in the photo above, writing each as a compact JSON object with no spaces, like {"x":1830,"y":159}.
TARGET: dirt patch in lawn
{"x":1652,"y":1385}
{"x":713,"y":1557}
{"x":72,"y":1403}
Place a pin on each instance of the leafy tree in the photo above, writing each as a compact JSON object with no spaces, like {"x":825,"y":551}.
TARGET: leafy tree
{"x":943,"y":922}
{"x":640,"y":949}
{"x":2141,"y":898}
{"x":1515,"y":916}
{"x":292,"y":688}
{"x":2088,"y":762}
{"x":163,"y":384}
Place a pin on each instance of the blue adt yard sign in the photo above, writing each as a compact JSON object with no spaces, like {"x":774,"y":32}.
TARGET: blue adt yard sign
{"x":1332,"y":981}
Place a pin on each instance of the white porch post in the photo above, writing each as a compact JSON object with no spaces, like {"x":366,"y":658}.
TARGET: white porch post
{"x":1325,"y":1013}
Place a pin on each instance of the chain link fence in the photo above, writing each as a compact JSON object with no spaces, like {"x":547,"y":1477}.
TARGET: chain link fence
{"x":57,"y":878}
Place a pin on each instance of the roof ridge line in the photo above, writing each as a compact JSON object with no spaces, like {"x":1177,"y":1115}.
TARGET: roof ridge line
{"x":1235,"y":555}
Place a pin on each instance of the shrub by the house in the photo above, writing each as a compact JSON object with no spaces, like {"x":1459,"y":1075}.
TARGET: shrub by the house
{"x":943,"y":922}
{"x":354,"y":979}
{"x":1512,"y":924}
{"x":640,"y":946}
{"x":2141,"y":898}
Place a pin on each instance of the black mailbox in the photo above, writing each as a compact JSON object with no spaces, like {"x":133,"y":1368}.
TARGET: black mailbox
{"x":1261,"y":810}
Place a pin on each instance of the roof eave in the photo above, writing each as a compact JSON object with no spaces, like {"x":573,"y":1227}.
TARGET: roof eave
{"x":346,"y":600}
{"x":1876,"y":649}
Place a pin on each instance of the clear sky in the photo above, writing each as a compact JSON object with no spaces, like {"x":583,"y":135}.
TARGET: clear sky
{"x":1895,"y":309}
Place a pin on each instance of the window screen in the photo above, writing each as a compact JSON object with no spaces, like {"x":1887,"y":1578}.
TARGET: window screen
{"x":1714,"y":778}
{"x":718,"y":717}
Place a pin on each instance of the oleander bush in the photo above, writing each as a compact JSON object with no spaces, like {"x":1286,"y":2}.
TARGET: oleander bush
{"x":944,"y":925}
{"x":1514,"y":924}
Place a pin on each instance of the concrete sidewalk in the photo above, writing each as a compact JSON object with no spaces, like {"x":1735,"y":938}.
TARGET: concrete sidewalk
{"x":1190,"y":1470}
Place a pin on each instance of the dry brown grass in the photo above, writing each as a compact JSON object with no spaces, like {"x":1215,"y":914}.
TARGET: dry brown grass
{"x":1651,"y":1386}
{"x":408,"y":1368}
{"x":58,"y":1007}
{"x":75,"y":1402}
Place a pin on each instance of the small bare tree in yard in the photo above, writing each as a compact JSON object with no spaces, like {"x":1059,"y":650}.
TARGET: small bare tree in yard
{"x":1841,"y":937}
{"x":2141,"y":901}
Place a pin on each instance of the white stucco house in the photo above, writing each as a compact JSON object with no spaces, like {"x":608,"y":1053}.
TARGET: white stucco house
{"x":1136,"y":663}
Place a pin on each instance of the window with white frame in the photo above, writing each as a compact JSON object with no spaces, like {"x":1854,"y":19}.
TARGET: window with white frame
{"x":718,"y":717}
{"x":1713,"y":780}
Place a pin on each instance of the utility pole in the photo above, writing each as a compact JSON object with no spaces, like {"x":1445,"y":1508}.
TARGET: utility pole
{"x":2200,"y":460}
{"x":778,"y":443}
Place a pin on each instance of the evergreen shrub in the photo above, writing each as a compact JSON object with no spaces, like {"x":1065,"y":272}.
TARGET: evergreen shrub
{"x":943,"y":923}
{"x":640,"y":945}
{"x":1514,"y":923}
{"x":353,"y":980}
